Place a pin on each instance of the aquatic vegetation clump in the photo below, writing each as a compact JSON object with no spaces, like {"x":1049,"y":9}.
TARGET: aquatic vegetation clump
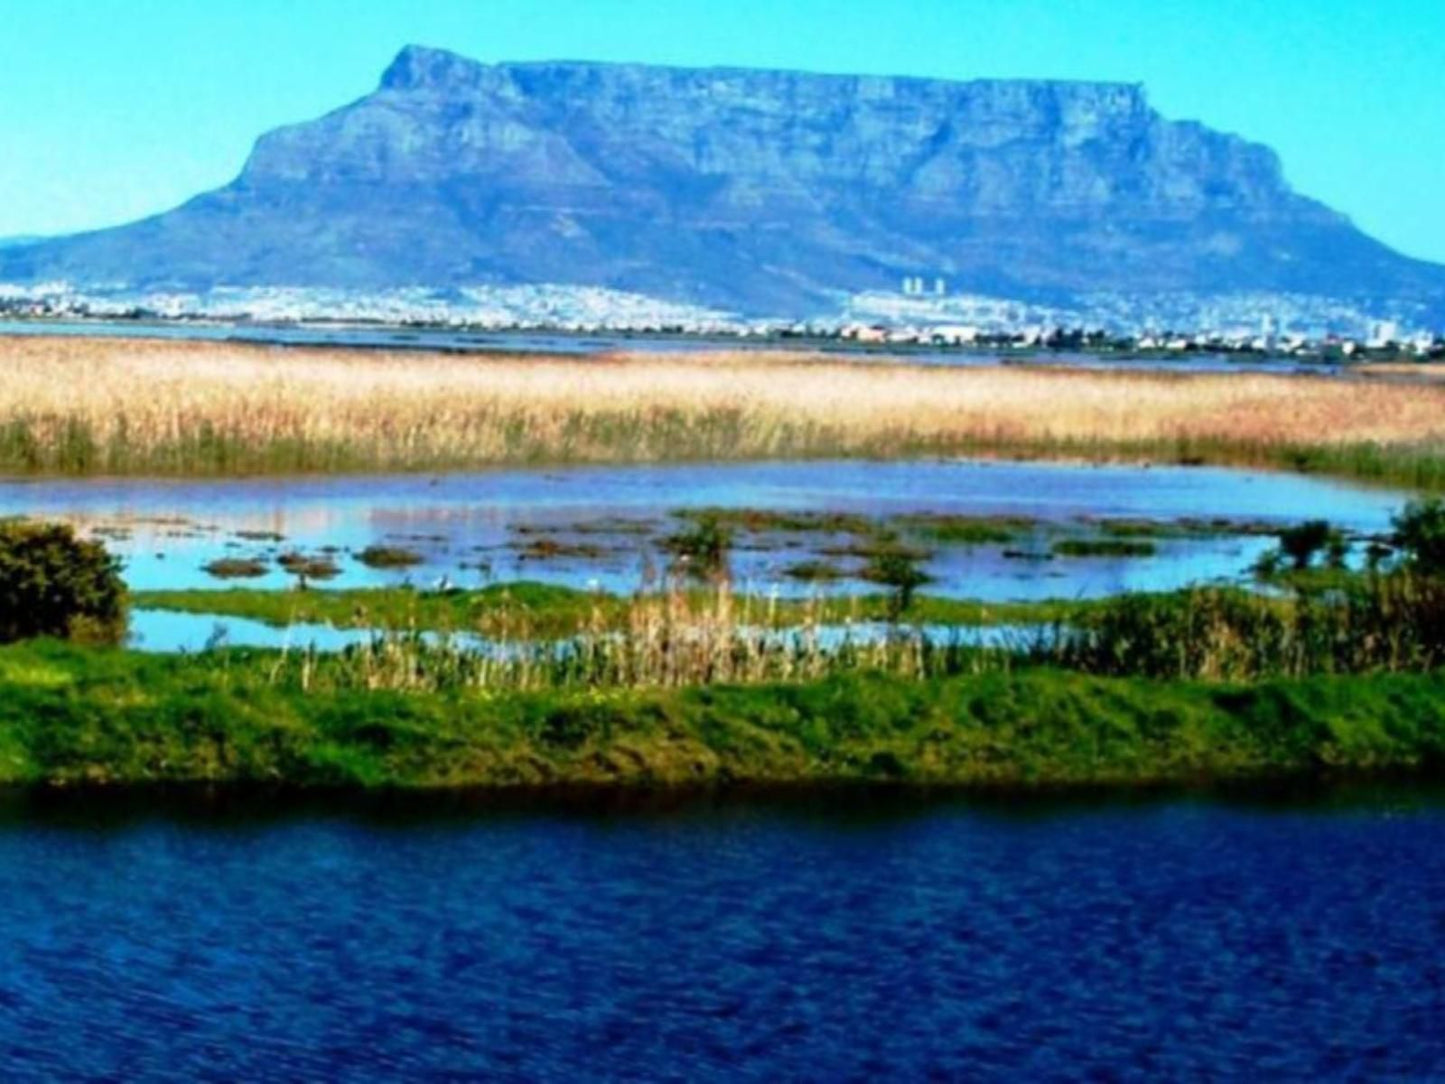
{"x":702,"y":548}
{"x":1103,"y":547}
{"x":764,"y":520}
{"x":309,"y":567}
{"x":815,"y":571}
{"x":958,"y":530}
{"x":236,"y":568}
{"x":548,"y":548}
{"x":388,"y":557}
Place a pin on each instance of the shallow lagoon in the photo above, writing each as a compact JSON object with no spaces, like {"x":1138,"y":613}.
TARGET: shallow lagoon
{"x":468,"y":528}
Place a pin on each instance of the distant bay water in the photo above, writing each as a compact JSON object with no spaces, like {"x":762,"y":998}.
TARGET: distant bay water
{"x":389,"y":337}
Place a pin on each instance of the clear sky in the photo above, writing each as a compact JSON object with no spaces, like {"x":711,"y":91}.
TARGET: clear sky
{"x":113,"y":109}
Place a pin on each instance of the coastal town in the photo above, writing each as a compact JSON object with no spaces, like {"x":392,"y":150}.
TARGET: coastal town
{"x":1278,"y":326}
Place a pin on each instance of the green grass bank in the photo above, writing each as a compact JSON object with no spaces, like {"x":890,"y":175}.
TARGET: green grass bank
{"x":76,"y":717}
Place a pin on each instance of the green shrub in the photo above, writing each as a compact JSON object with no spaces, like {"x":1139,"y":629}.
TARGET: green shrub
{"x":1266,"y":565}
{"x":1376,"y":554}
{"x":1420,"y":534}
{"x":1304,"y":541}
{"x":54,"y":584}
{"x":1337,"y":550}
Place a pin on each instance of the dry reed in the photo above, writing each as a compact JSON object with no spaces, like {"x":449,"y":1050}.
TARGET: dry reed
{"x":1392,"y":623}
{"x":669,"y":639}
{"x":156,"y":407}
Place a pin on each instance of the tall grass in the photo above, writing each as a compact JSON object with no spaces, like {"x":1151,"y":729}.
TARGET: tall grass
{"x":675,"y":637}
{"x":1375,"y":623}
{"x":168,"y":408}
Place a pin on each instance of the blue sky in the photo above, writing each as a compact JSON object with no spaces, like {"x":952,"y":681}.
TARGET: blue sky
{"x":112,"y":110}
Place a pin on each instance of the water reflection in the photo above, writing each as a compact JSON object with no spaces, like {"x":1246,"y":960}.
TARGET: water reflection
{"x":466,"y":528}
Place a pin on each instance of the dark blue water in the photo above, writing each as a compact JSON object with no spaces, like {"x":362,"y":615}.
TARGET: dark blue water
{"x":1176,"y":939}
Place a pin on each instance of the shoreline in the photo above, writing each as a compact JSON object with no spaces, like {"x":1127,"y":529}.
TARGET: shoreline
{"x":194,"y":329}
{"x":1152,"y":456}
{"x":113,"y":804}
{"x":1323,"y":359}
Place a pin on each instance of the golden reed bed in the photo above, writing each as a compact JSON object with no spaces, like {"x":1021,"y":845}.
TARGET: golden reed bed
{"x":148,"y":406}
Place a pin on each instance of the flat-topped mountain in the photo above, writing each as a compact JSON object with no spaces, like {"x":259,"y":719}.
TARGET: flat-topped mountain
{"x":767,"y":192}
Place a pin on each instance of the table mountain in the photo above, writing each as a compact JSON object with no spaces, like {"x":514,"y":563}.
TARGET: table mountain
{"x":767,"y":192}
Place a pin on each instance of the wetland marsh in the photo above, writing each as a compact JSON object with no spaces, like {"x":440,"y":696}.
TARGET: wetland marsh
{"x":766,"y":562}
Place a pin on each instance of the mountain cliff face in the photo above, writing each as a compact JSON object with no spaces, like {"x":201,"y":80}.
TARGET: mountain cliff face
{"x":768,"y":192}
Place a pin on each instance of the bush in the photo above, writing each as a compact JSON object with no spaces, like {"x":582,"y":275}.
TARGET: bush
{"x":1337,"y":550}
{"x":1420,"y":535}
{"x":1376,"y":554}
{"x":1301,"y":543}
{"x":1266,"y":566}
{"x":54,"y":584}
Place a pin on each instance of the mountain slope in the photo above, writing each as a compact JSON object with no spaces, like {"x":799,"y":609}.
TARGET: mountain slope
{"x":772,"y":192}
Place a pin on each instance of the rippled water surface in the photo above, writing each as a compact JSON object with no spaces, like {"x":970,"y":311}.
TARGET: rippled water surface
{"x":840,"y":939}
